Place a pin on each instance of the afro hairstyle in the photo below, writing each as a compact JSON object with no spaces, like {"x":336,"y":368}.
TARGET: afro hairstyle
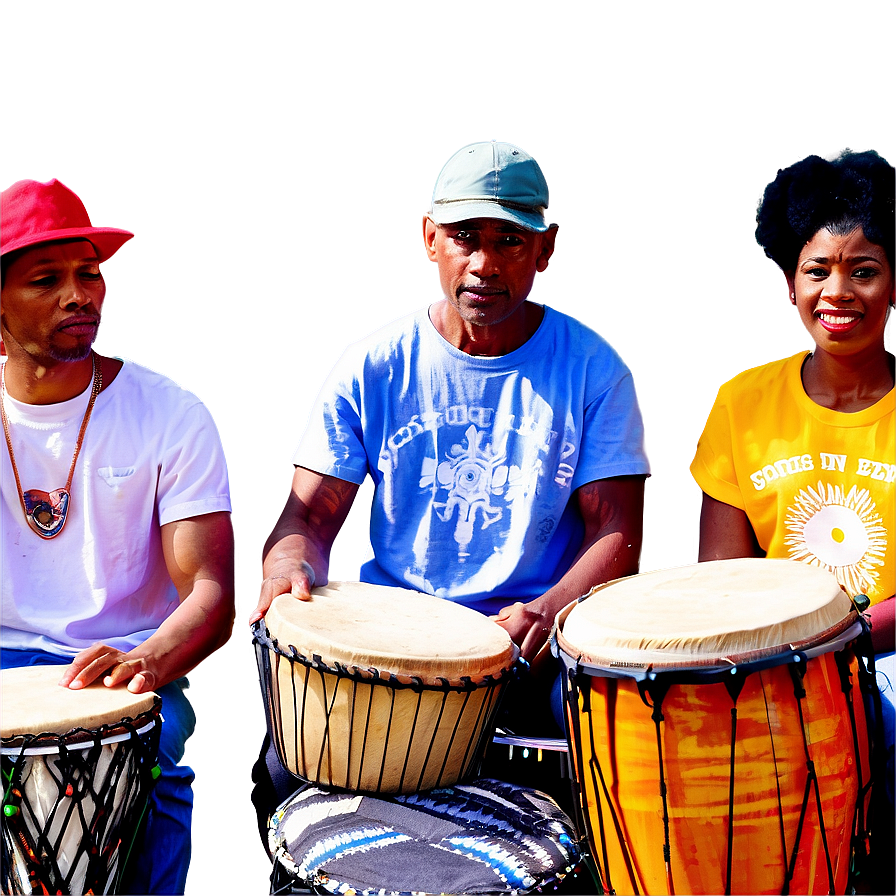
{"x":854,"y":190}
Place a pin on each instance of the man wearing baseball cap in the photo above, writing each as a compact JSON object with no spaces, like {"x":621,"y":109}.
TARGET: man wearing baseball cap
{"x":503,"y":437}
{"x":115,"y":514}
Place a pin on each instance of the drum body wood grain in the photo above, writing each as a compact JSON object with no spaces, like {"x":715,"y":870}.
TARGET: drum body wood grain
{"x":717,"y":721}
{"x":380,"y":690}
{"x":78,"y":767}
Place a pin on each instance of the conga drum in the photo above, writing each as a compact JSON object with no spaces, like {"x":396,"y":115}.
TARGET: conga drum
{"x":78,"y":767}
{"x":716,"y":718}
{"x":380,"y":690}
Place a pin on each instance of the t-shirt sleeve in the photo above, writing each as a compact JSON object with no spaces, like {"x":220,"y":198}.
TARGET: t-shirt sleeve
{"x":333,"y":443}
{"x":613,"y":437}
{"x":193,"y":472}
{"x":713,"y":464}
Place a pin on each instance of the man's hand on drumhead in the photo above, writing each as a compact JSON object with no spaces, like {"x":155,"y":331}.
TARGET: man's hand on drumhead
{"x":122,"y":668}
{"x":297,"y":579}
{"x":527,"y":627}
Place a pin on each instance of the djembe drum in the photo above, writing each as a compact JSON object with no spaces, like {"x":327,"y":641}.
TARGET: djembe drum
{"x":716,"y":719}
{"x":380,"y":690}
{"x":78,"y":766}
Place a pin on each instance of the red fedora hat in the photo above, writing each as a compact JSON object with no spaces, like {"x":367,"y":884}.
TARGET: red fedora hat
{"x":32,"y":213}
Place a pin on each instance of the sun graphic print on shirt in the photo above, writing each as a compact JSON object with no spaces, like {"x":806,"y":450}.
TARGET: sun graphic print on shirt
{"x":844,"y":534}
{"x":474,"y":473}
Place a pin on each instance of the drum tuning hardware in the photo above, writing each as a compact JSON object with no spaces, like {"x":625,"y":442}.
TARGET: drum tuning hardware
{"x":156,"y":772}
{"x":10,"y":811}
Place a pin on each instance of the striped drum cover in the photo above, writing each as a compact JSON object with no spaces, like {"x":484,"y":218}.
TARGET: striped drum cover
{"x":482,"y":837}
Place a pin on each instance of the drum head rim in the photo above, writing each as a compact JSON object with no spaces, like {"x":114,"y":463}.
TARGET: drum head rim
{"x":823,"y":642}
{"x":371,"y":675}
{"x":494,"y":656}
{"x":48,"y":742}
{"x":703,"y":612}
{"x":45,"y":706}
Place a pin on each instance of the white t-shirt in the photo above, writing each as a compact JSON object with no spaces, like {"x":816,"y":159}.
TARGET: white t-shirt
{"x":151,"y":455}
{"x":475,"y":459}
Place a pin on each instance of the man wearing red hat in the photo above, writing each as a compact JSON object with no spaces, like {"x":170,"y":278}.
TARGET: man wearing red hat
{"x":115,"y":514}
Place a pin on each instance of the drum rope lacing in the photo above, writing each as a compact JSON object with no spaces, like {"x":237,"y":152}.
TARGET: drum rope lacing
{"x":493,"y":685}
{"x":865,"y":680}
{"x":570,"y":688}
{"x":372,"y":675}
{"x":105,"y":812}
{"x":797,"y":673}
{"x":655,"y":685}
{"x":343,"y":674}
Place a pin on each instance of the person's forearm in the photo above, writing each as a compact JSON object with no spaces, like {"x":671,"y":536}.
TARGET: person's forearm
{"x":200,"y":625}
{"x":882,"y":625}
{"x":612,"y":513}
{"x":296,"y":556}
{"x":725,"y":532}
{"x":611,"y":557}
{"x":197,"y":628}
{"x":296,"y":545}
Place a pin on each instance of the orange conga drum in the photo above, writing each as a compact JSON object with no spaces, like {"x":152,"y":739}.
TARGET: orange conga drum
{"x":380,"y":690}
{"x":719,"y":736}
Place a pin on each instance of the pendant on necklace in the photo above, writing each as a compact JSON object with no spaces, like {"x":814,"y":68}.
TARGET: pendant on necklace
{"x":45,"y":511}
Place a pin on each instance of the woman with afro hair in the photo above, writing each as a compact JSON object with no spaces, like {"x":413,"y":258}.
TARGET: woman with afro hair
{"x":797,"y":459}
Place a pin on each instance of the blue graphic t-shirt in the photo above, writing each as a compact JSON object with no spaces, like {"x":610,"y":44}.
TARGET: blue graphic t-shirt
{"x":475,"y":459}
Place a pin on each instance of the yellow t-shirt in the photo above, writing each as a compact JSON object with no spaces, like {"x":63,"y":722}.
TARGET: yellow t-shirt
{"x":817,"y":485}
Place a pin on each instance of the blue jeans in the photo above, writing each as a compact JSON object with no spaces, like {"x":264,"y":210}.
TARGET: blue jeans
{"x":161,"y":857}
{"x":885,"y":665}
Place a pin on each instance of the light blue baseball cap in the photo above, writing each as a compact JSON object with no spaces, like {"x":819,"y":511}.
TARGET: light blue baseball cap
{"x":491,"y":180}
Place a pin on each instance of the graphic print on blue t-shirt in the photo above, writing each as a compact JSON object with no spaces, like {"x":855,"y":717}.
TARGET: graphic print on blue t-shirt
{"x":475,"y":459}
{"x":475,"y":481}
{"x":493,"y":481}
{"x":474,"y":475}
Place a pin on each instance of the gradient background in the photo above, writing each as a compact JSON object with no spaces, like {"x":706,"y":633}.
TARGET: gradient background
{"x":275,"y":160}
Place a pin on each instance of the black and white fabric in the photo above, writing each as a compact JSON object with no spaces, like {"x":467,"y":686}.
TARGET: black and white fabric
{"x":481,"y":837}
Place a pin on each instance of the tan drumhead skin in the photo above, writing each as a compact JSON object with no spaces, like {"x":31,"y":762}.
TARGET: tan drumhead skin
{"x":391,"y":629}
{"x":34,"y":703}
{"x":717,"y":609}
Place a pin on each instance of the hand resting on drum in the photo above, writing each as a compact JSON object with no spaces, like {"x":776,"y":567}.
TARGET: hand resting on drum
{"x":611,"y":512}
{"x":527,"y":626}
{"x":296,"y":556}
{"x":198,"y":553}
{"x":295,"y":577}
{"x":89,"y":664}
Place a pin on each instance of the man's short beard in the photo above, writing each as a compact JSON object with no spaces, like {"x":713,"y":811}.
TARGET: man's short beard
{"x":78,"y":353}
